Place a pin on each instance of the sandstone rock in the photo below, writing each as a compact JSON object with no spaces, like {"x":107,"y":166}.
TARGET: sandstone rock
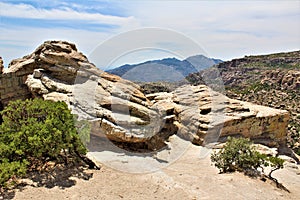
{"x":35,"y":86}
{"x":266,"y":150}
{"x":288,"y":159}
{"x":1,"y":65}
{"x":59,"y":58}
{"x":56,"y":71}
{"x":120,"y":111}
{"x":56,"y":96}
{"x":37,"y":73}
{"x":207,"y":116}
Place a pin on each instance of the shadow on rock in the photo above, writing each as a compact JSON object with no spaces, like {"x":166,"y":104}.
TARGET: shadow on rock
{"x":285,"y":150}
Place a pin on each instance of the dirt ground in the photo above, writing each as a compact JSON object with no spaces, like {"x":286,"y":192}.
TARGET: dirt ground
{"x":189,"y":177}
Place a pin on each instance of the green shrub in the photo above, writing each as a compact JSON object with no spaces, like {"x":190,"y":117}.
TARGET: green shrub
{"x":239,"y":155}
{"x":8,"y":169}
{"x":34,"y":132}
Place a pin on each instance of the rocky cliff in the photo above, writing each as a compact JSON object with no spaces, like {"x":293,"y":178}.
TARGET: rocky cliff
{"x":119,"y":110}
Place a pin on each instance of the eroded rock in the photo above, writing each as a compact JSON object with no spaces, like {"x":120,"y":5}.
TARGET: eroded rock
{"x":119,"y":110}
{"x":203,"y":115}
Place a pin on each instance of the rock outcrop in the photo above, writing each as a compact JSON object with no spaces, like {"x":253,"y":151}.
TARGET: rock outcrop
{"x":270,"y":80}
{"x":202,"y":115}
{"x":287,"y":80}
{"x":1,"y":65}
{"x":120,"y":111}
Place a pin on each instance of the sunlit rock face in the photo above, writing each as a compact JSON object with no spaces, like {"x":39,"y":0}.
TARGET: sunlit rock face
{"x":119,"y":110}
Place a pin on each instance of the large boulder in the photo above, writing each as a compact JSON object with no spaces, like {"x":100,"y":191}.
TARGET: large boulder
{"x":60,"y":59}
{"x":119,"y":110}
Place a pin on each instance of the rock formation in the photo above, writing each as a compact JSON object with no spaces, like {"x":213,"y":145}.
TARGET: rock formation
{"x":271,"y":80}
{"x":287,"y":80}
{"x":202,"y":115}
{"x":119,"y":109}
{"x":1,"y":65}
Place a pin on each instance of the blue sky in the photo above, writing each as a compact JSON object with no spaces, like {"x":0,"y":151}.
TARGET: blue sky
{"x":224,"y":29}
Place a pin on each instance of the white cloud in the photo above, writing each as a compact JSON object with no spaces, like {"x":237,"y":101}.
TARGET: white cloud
{"x":225,"y":29}
{"x":15,"y":43}
{"x":65,"y":13}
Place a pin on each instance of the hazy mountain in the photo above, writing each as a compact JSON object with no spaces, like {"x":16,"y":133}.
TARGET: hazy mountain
{"x":167,"y":69}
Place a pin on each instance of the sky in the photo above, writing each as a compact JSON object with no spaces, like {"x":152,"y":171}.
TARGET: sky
{"x":222,"y":29}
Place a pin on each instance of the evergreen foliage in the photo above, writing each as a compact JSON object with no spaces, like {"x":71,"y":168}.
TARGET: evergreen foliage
{"x":34,"y":132}
{"x":239,"y":155}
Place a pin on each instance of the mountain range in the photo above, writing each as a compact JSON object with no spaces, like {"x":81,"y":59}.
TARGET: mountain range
{"x":167,"y":69}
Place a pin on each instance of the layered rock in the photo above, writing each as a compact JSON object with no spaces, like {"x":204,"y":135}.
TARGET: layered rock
{"x":203,"y":115}
{"x":60,"y":59}
{"x":116,"y":106}
{"x":56,"y":71}
{"x":120,"y":111}
{"x":271,"y":80}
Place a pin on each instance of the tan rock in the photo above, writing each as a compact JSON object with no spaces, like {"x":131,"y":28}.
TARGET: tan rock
{"x":120,"y":111}
{"x":206,"y":116}
{"x":1,"y":65}
{"x":56,"y":96}
{"x":266,"y":150}
{"x":35,"y":86}
{"x":287,"y":79}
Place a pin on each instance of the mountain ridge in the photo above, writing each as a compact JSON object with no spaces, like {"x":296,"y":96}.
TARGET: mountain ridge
{"x":175,"y":69}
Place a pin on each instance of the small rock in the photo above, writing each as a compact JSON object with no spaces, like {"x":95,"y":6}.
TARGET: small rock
{"x":37,"y":73}
{"x":266,"y":150}
{"x":287,"y":158}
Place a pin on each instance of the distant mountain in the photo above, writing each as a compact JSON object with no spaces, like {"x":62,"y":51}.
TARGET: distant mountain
{"x":201,"y":62}
{"x":167,"y":69}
